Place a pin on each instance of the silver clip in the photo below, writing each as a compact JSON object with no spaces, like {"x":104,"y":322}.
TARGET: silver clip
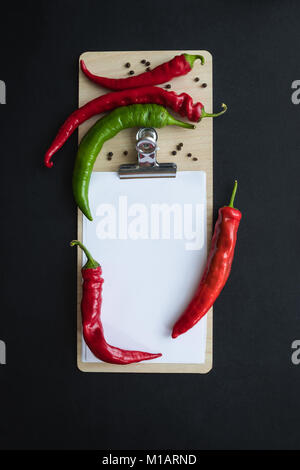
{"x":147,"y":165}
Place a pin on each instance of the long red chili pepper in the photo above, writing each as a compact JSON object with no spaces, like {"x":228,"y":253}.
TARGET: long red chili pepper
{"x":179,"y":65}
{"x":182,"y":104}
{"x":92,"y":326}
{"x":217,"y":267}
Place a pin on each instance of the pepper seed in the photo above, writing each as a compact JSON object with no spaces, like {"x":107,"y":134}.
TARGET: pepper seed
{"x":196,"y":79}
{"x":195,"y":159}
{"x":125,"y":152}
{"x":143,"y":61}
{"x":127,"y":65}
{"x":178,"y":147}
{"x":174,"y":152}
{"x":131,"y":72}
{"x":110,"y":154}
{"x":168,"y":86}
{"x":204,"y":85}
{"x":189,"y":155}
{"x":147,"y":64}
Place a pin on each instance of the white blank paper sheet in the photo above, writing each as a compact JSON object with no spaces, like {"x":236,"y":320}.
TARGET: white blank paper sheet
{"x":149,"y":235}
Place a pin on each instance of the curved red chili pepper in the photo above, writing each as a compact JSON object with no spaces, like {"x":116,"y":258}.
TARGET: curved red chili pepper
{"x":217,"y":268}
{"x":93,"y":332}
{"x":182,"y":104}
{"x":179,"y":65}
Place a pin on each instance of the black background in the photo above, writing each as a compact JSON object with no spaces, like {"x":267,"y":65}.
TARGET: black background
{"x":251,"y":397}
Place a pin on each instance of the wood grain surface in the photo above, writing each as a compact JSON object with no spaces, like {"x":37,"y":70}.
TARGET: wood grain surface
{"x":198,"y":142}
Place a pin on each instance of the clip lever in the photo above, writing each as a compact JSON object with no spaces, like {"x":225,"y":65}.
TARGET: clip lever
{"x":147,"y":165}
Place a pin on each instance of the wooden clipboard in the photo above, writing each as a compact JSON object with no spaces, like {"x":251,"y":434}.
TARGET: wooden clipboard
{"x":199,"y":143}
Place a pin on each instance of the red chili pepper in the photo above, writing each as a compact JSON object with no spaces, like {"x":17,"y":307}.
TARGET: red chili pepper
{"x":217,"y":267}
{"x":182,"y":104}
{"x":92,"y":326}
{"x":179,"y":65}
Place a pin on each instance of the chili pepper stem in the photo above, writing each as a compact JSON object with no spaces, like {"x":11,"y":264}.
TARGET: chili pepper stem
{"x":190,"y":58}
{"x":176,"y":122}
{"x":91,"y":263}
{"x":233,"y":194}
{"x":205,"y":114}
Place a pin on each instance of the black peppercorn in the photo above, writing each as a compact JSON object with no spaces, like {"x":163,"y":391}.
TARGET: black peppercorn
{"x":174,"y":152}
{"x":178,"y":147}
{"x":181,"y":144}
{"x":195,"y":159}
{"x":168,"y":86}
{"x":127,"y":64}
{"x":143,"y":61}
{"x":110,"y":154}
{"x":189,"y":154}
{"x":131,"y":72}
{"x":148,"y":69}
{"x":125,"y":152}
{"x":204,"y":85}
{"x":196,"y":79}
{"x":109,"y":158}
{"x":147,"y":63}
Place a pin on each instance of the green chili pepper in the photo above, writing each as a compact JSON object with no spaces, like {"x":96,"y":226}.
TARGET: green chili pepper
{"x":136,"y":115}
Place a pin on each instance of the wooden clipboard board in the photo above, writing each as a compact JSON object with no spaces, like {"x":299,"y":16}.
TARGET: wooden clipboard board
{"x":200,"y":144}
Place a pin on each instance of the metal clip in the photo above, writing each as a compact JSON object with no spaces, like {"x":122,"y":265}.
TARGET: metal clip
{"x":147,"y":165}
